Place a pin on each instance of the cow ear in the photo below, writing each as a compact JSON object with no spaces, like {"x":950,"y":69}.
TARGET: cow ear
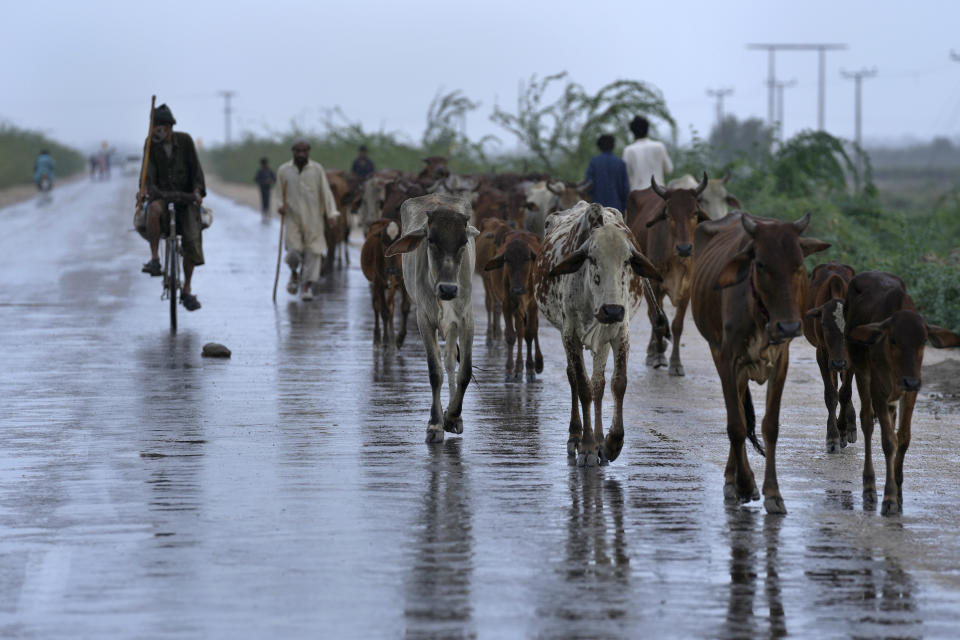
{"x":643,"y":267}
{"x":737,"y":270}
{"x":472,"y":231}
{"x":570,"y":264}
{"x":942,"y":338}
{"x":660,"y":217}
{"x":733,"y":202}
{"x":406,"y":243}
{"x":496,"y":262}
{"x":812,"y":245}
{"x":816,"y":312}
{"x":867,"y":333}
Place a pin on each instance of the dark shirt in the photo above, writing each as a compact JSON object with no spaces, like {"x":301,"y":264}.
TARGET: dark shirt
{"x":362,"y":167}
{"x":611,"y":185}
{"x":180,"y":171}
{"x":265,"y":177}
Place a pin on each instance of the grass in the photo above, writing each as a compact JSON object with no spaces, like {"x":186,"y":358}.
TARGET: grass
{"x":20,"y":147}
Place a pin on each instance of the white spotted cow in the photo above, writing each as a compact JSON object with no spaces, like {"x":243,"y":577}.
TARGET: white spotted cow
{"x":437,"y":244}
{"x":589,"y":281}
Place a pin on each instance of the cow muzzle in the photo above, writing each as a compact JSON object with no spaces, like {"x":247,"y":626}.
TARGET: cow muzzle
{"x":393,"y":271}
{"x":910,"y":384}
{"x":838,"y":365}
{"x":446,"y":291}
{"x":783,"y":331}
{"x":684,"y":250}
{"x":610,"y":313}
{"x":517,"y":291}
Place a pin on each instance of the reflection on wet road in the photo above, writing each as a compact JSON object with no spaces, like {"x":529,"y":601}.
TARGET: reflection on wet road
{"x":287,"y":492}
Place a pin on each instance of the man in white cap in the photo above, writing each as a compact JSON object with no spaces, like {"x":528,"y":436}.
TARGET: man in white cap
{"x":309,"y":203}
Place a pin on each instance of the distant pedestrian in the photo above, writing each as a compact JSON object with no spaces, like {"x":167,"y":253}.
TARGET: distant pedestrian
{"x":645,"y":158}
{"x":608,"y":175}
{"x":43,"y":167}
{"x":265,"y":178}
{"x":362,"y":165}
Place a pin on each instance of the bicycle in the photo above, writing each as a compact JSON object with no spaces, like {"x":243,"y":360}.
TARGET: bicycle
{"x":171,"y":267}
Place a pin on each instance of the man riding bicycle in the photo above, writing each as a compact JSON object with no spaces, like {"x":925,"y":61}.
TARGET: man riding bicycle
{"x":43,"y":168}
{"x":174,"y":176}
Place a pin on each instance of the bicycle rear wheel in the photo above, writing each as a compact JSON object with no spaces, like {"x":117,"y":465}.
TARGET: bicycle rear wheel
{"x":173,"y":271}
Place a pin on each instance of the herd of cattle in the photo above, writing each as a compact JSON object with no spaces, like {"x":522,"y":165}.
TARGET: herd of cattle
{"x":541,"y":247}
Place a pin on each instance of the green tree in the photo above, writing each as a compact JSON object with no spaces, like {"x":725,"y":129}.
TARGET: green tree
{"x":731,"y":138}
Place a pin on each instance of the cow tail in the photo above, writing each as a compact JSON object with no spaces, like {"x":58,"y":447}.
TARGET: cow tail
{"x":751,"y":421}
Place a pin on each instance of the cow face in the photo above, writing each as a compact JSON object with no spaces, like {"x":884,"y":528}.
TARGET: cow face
{"x":715,"y":199}
{"x":568,"y":196}
{"x":435,"y":168}
{"x":832,"y":328}
{"x":902,"y":337}
{"x":773,"y":260}
{"x":516,"y":259}
{"x":681,"y":213}
{"x":607,"y":262}
{"x":392,"y":266}
{"x":446,"y":234}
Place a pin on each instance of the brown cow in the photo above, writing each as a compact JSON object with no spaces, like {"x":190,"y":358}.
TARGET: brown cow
{"x":514,"y":290}
{"x":494,"y":203}
{"x":823,"y":326}
{"x":663,"y":221}
{"x":492,"y":233}
{"x":338,"y":230}
{"x":885,"y":336}
{"x":749,"y":289}
{"x":434,"y":168}
{"x":386,"y":280}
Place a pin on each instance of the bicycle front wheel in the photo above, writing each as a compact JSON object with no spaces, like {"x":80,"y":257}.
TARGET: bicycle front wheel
{"x":174,"y":274}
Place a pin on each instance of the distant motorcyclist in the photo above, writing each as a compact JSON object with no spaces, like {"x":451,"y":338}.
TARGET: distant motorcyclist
{"x":43,"y":168}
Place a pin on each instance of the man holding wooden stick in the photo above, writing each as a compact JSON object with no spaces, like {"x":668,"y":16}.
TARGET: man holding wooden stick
{"x":308,"y":205}
{"x":174,"y":175}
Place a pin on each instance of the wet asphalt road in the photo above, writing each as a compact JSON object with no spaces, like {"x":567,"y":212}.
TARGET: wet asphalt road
{"x":146,"y":492}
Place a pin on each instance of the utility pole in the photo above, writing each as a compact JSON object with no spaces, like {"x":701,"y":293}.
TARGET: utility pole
{"x":954,"y":56}
{"x":821,"y":49}
{"x":227,"y":111}
{"x":857,"y":77}
{"x":719,"y":94}
{"x":780,"y":87}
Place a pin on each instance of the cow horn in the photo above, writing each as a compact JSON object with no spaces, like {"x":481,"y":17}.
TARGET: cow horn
{"x":586,"y":185}
{"x":749,"y":224}
{"x":550,"y":189}
{"x":660,"y":191}
{"x":701,"y":186}
{"x":726,"y":177}
{"x":801,"y":224}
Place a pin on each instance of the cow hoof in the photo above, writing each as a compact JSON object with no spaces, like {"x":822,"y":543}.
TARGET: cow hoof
{"x":611,"y":448}
{"x":531,"y":376}
{"x":774,"y":505}
{"x":869,"y":500}
{"x":434,"y":434}
{"x":651,"y":360}
{"x":454,"y":425}
{"x":588,"y":460}
{"x":676,"y":370}
{"x":729,"y":493}
{"x":572,"y":447}
{"x":833,"y":446}
{"x":400,"y":339}
{"x":890,"y":507}
{"x":852,"y":435}
{"x":661,"y":361}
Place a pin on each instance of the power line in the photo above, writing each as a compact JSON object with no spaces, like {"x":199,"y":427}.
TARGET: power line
{"x":227,"y":111}
{"x":720,"y":94}
{"x":821,"y":49}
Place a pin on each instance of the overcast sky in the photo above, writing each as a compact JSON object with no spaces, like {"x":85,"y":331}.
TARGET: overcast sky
{"x":83,"y":71}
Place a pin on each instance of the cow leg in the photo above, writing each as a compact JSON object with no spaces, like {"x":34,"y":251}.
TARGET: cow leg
{"x":598,"y":381}
{"x":497,"y":312}
{"x":847,"y":418}
{"x":676,"y":367}
{"x":580,"y":434}
{"x":462,"y":345}
{"x":657,"y":345}
{"x":835,"y":439}
{"x":509,"y":336}
{"x":387,"y":312}
{"x":534,"y":328}
{"x":903,"y":442}
{"x":530,"y":336}
{"x":888,"y":440}
{"x":429,"y":334}
{"x":866,"y":425}
{"x":488,"y":306}
{"x":614,"y":441}
{"x":404,"y":312}
{"x":520,"y":330}
{"x":376,"y":293}
{"x":772,"y":500}
{"x":739,"y":484}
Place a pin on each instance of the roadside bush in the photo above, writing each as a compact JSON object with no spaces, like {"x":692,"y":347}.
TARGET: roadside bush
{"x":20,"y":147}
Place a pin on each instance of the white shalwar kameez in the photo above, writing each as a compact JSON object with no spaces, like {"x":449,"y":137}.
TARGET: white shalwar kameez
{"x":308,"y":197}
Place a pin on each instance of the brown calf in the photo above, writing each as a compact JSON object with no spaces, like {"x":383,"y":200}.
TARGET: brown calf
{"x":386,"y":280}
{"x":503,"y":205}
{"x":663,"y":221}
{"x":749,"y":288}
{"x":492,"y":233}
{"x":338,"y":230}
{"x":885,"y":336}
{"x":823,"y":325}
{"x":514,"y":290}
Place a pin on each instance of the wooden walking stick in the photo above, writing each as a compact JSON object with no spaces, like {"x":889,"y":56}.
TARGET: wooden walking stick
{"x":283,"y":218}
